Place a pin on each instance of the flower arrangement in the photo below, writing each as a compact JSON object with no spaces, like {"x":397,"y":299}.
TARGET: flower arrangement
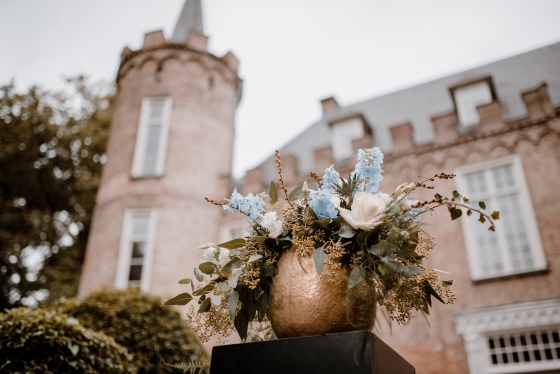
{"x":342,"y":222}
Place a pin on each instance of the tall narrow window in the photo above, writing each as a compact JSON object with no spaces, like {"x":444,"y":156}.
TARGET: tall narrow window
{"x":151,"y":142}
{"x":342,"y":135}
{"x":468,"y":97}
{"x":515,"y":247}
{"x":135,"y":257}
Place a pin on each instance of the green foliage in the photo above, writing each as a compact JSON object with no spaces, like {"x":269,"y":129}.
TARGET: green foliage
{"x":378,"y":237}
{"x":36,"y":340}
{"x":153,"y":334}
{"x":194,"y":367}
{"x":51,"y":152}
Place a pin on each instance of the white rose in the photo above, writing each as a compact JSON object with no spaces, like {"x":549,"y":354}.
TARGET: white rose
{"x":209,"y":253}
{"x":366,"y":211}
{"x":224,"y":256}
{"x":269,"y":222}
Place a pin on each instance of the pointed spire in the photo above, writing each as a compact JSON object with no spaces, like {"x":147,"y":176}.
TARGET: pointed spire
{"x":190,"y":19}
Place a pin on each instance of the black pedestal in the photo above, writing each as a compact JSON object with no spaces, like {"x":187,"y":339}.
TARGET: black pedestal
{"x":359,"y":352}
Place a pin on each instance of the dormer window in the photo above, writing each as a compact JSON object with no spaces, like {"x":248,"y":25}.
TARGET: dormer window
{"x":470,"y":96}
{"x":342,"y":135}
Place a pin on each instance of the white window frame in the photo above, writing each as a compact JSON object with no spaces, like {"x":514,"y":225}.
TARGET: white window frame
{"x":469,"y":224}
{"x":125,"y":251}
{"x":477,"y":325}
{"x":467,"y":100}
{"x":142,"y":137}
{"x":342,"y":135}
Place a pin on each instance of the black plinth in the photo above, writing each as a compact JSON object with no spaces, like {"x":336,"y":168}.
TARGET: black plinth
{"x":356,"y":352}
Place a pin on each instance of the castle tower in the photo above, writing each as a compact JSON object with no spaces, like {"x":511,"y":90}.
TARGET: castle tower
{"x":170,"y":145}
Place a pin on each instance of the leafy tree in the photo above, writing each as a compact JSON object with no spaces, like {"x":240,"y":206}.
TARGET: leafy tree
{"x":51,"y":153}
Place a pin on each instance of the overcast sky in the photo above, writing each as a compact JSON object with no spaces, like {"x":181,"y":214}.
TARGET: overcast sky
{"x":292,"y":52}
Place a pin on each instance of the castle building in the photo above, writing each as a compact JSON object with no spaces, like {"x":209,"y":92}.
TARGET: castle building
{"x":496,"y":127}
{"x":164,"y":155}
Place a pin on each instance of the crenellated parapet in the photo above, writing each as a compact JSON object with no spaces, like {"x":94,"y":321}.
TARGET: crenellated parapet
{"x":158,"y":51}
{"x":450,"y":142}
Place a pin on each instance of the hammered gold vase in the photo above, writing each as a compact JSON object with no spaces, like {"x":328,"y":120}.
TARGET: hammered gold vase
{"x":303,"y":303}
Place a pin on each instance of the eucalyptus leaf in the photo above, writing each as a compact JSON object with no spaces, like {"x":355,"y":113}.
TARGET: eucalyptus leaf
{"x":383,"y":248}
{"x":216,"y":299}
{"x":495,"y":215}
{"x":412,"y":271}
{"x":232,"y":282}
{"x":482,"y":204}
{"x":181,"y":299}
{"x":357,"y":274}
{"x":233,"y":263}
{"x":204,"y":290}
{"x":241,"y":322}
{"x":260,"y":239}
{"x":319,"y":258}
{"x":346,"y":231}
{"x":321,"y":224}
{"x":254,"y":257}
{"x":233,"y":244}
{"x":185,"y":281}
{"x":205,"y":306}
{"x":198,"y":274}
{"x":232,"y":303}
{"x":262,"y":306}
{"x":295,"y":193}
{"x":207,"y":267}
{"x":273,"y":192}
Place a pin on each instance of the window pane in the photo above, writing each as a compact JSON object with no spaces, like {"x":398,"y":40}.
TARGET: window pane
{"x":524,"y":347}
{"x":503,"y":177}
{"x":488,"y":251}
{"x":468,"y":98}
{"x":513,"y":225}
{"x":135,"y":273}
{"x":152,"y":149}
{"x":476,"y":183}
{"x":342,"y":135}
{"x":156,"y":109}
{"x":140,"y":224}
{"x":138,"y":249}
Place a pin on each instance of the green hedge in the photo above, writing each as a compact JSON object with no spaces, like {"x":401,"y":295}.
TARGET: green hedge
{"x":155,"y":335}
{"x":36,"y":340}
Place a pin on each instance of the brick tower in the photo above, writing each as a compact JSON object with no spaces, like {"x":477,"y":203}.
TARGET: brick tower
{"x":170,"y":145}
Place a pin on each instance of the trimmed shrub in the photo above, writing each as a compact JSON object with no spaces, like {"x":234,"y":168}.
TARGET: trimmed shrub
{"x":153,"y":334}
{"x":34,"y":340}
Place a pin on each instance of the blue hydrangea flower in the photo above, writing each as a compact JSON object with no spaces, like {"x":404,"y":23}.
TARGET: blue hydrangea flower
{"x":368,"y":168}
{"x":320,"y":202}
{"x":251,"y":205}
{"x":330,"y":178}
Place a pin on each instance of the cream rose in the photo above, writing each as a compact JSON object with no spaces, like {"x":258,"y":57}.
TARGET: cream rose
{"x":223,"y":258}
{"x":269,"y":222}
{"x":366,"y":211}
